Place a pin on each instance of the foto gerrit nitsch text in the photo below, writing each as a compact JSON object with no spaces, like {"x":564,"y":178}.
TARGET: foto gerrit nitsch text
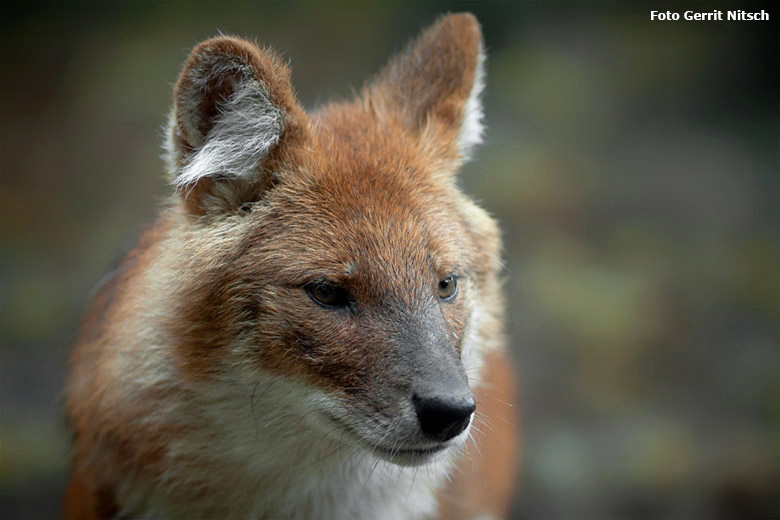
{"x":738,"y":15}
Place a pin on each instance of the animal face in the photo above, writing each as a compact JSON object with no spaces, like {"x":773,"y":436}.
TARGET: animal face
{"x":333,"y":249}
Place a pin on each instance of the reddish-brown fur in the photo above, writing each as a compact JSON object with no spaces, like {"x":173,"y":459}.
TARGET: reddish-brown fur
{"x":361,"y":193}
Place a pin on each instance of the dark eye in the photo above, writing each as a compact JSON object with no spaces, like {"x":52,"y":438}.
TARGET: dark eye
{"x":448,"y":288}
{"x":328,"y":294}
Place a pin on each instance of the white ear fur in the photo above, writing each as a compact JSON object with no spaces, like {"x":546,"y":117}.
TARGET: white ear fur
{"x":473,"y":128}
{"x":246,"y":127}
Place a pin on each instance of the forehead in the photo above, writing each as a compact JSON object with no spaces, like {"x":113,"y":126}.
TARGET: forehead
{"x":354,"y":218}
{"x":368,"y":201}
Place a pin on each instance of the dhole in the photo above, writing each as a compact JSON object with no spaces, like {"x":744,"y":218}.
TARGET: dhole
{"x":309,"y":325}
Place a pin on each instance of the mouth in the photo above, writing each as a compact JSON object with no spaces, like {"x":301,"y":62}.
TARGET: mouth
{"x":408,"y":456}
{"x":403,"y":456}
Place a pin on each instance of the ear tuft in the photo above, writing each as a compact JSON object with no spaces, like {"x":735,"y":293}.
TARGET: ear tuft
{"x":233,"y":103}
{"x":245,"y":128}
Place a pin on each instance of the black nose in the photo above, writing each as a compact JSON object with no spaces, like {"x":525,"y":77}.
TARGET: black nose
{"x":443,"y":416}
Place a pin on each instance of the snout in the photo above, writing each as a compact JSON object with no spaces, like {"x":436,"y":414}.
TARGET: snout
{"x":444,"y":414}
{"x":421,"y":404}
{"x":419,"y":427}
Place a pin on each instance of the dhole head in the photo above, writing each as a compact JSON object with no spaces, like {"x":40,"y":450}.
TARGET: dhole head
{"x":333,"y":250}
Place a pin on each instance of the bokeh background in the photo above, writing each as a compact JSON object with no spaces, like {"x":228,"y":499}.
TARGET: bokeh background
{"x":634,"y":168}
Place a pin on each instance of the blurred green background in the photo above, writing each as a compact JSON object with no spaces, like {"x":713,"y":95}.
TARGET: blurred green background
{"x":633,"y":165}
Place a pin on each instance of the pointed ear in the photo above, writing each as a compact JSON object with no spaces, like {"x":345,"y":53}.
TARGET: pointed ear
{"x":234,"y":107}
{"x":437,"y":79}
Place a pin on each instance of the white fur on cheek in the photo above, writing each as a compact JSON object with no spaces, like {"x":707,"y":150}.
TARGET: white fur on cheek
{"x":473,"y":128}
